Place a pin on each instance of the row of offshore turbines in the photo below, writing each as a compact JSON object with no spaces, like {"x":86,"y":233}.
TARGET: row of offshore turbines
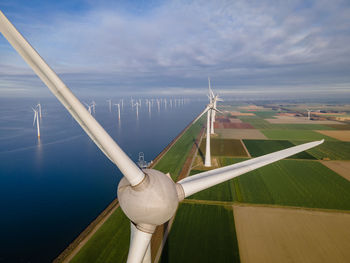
{"x":135,"y":105}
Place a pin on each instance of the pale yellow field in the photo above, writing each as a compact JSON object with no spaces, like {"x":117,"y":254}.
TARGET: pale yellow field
{"x":275,"y":235}
{"x":339,"y":135}
{"x":298,"y":120}
{"x":340,"y":167}
{"x":240,"y":134}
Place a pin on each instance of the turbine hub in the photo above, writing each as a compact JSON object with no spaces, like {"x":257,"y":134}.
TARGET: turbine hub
{"x":154,"y":201}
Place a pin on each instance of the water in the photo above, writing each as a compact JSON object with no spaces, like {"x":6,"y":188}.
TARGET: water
{"x":51,"y":189}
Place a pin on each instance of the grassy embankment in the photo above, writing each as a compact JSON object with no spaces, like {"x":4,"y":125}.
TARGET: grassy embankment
{"x":110,"y":243}
{"x":174,"y":159}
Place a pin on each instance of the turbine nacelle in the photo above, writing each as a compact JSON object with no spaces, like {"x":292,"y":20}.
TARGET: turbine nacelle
{"x":152,"y":202}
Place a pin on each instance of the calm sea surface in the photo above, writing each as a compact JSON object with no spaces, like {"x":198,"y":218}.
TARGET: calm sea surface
{"x":51,"y":189}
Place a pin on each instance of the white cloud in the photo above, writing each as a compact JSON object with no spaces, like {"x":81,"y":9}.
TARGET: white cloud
{"x":236,"y":42}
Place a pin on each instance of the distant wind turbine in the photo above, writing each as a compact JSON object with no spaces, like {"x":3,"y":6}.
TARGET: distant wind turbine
{"x":36,"y":119}
{"x":147,"y":197}
{"x":118,"y":105}
{"x":110,"y":105}
{"x":39,"y":107}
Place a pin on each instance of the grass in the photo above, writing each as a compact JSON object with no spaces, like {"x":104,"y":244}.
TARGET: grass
{"x":202,"y":233}
{"x":287,"y":182}
{"x":257,"y":148}
{"x":294,"y":183}
{"x":223,"y":147}
{"x":330,"y":150}
{"x":174,"y":159}
{"x":265,"y":114}
{"x":109,"y":244}
{"x":302,"y":135}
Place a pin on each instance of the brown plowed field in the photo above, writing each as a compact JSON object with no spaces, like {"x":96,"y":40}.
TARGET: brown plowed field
{"x":240,"y":134}
{"x":340,"y":167}
{"x":224,"y":147}
{"x":275,"y":235}
{"x":230,"y":125}
{"x":339,"y":135}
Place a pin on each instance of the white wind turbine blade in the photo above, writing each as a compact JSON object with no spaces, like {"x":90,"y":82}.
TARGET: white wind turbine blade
{"x":200,"y":115}
{"x":71,"y":103}
{"x":139,"y":250}
{"x":199,"y":182}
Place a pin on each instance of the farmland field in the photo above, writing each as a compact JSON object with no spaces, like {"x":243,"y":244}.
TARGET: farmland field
{"x":330,"y":150}
{"x":109,"y":244}
{"x":340,"y":167}
{"x":260,"y":147}
{"x":302,"y":135}
{"x":259,"y":123}
{"x":339,"y":135}
{"x":174,"y":159}
{"x":287,"y":182}
{"x":277,"y":234}
{"x":186,"y":242}
{"x":240,"y":134}
{"x":294,"y":183}
{"x":224,"y":147}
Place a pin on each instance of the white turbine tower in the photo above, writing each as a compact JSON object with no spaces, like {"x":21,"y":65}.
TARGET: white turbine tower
{"x":137,"y":109}
{"x":118,"y":105}
{"x":147,"y":197}
{"x":122,"y":102}
{"x":109,"y":105}
{"x":308,"y":114}
{"x":39,"y":108}
{"x":36,"y":119}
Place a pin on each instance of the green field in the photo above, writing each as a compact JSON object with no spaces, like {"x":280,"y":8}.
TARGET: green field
{"x":174,"y":159}
{"x":261,"y":147}
{"x":223,"y":147}
{"x":265,"y":114}
{"x":330,"y":150}
{"x":202,"y":233}
{"x":339,"y":126}
{"x":287,"y":182}
{"x":301,"y":135}
{"x":109,"y":244}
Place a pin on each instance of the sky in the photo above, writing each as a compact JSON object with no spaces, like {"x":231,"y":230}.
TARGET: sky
{"x":172,"y":47}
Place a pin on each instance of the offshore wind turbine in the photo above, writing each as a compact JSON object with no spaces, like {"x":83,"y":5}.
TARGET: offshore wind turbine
{"x":148,"y":197}
{"x":110,"y":105}
{"x":36,"y":119}
{"x":39,"y":107}
{"x":118,"y":105}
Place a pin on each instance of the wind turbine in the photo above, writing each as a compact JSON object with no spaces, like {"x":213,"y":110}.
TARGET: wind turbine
{"x":118,"y":105}
{"x":39,"y":107}
{"x":110,"y":105}
{"x":36,"y":119}
{"x":308,"y":114}
{"x":148,"y":197}
{"x":88,"y":107}
{"x":213,"y":99}
{"x":93,"y":104}
{"x":137,"y":109}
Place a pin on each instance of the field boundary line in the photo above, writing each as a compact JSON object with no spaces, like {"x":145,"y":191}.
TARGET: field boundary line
{"x":245,"y":148}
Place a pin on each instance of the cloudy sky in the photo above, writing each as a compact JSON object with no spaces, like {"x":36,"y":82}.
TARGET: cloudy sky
{"x":173,"y":46}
